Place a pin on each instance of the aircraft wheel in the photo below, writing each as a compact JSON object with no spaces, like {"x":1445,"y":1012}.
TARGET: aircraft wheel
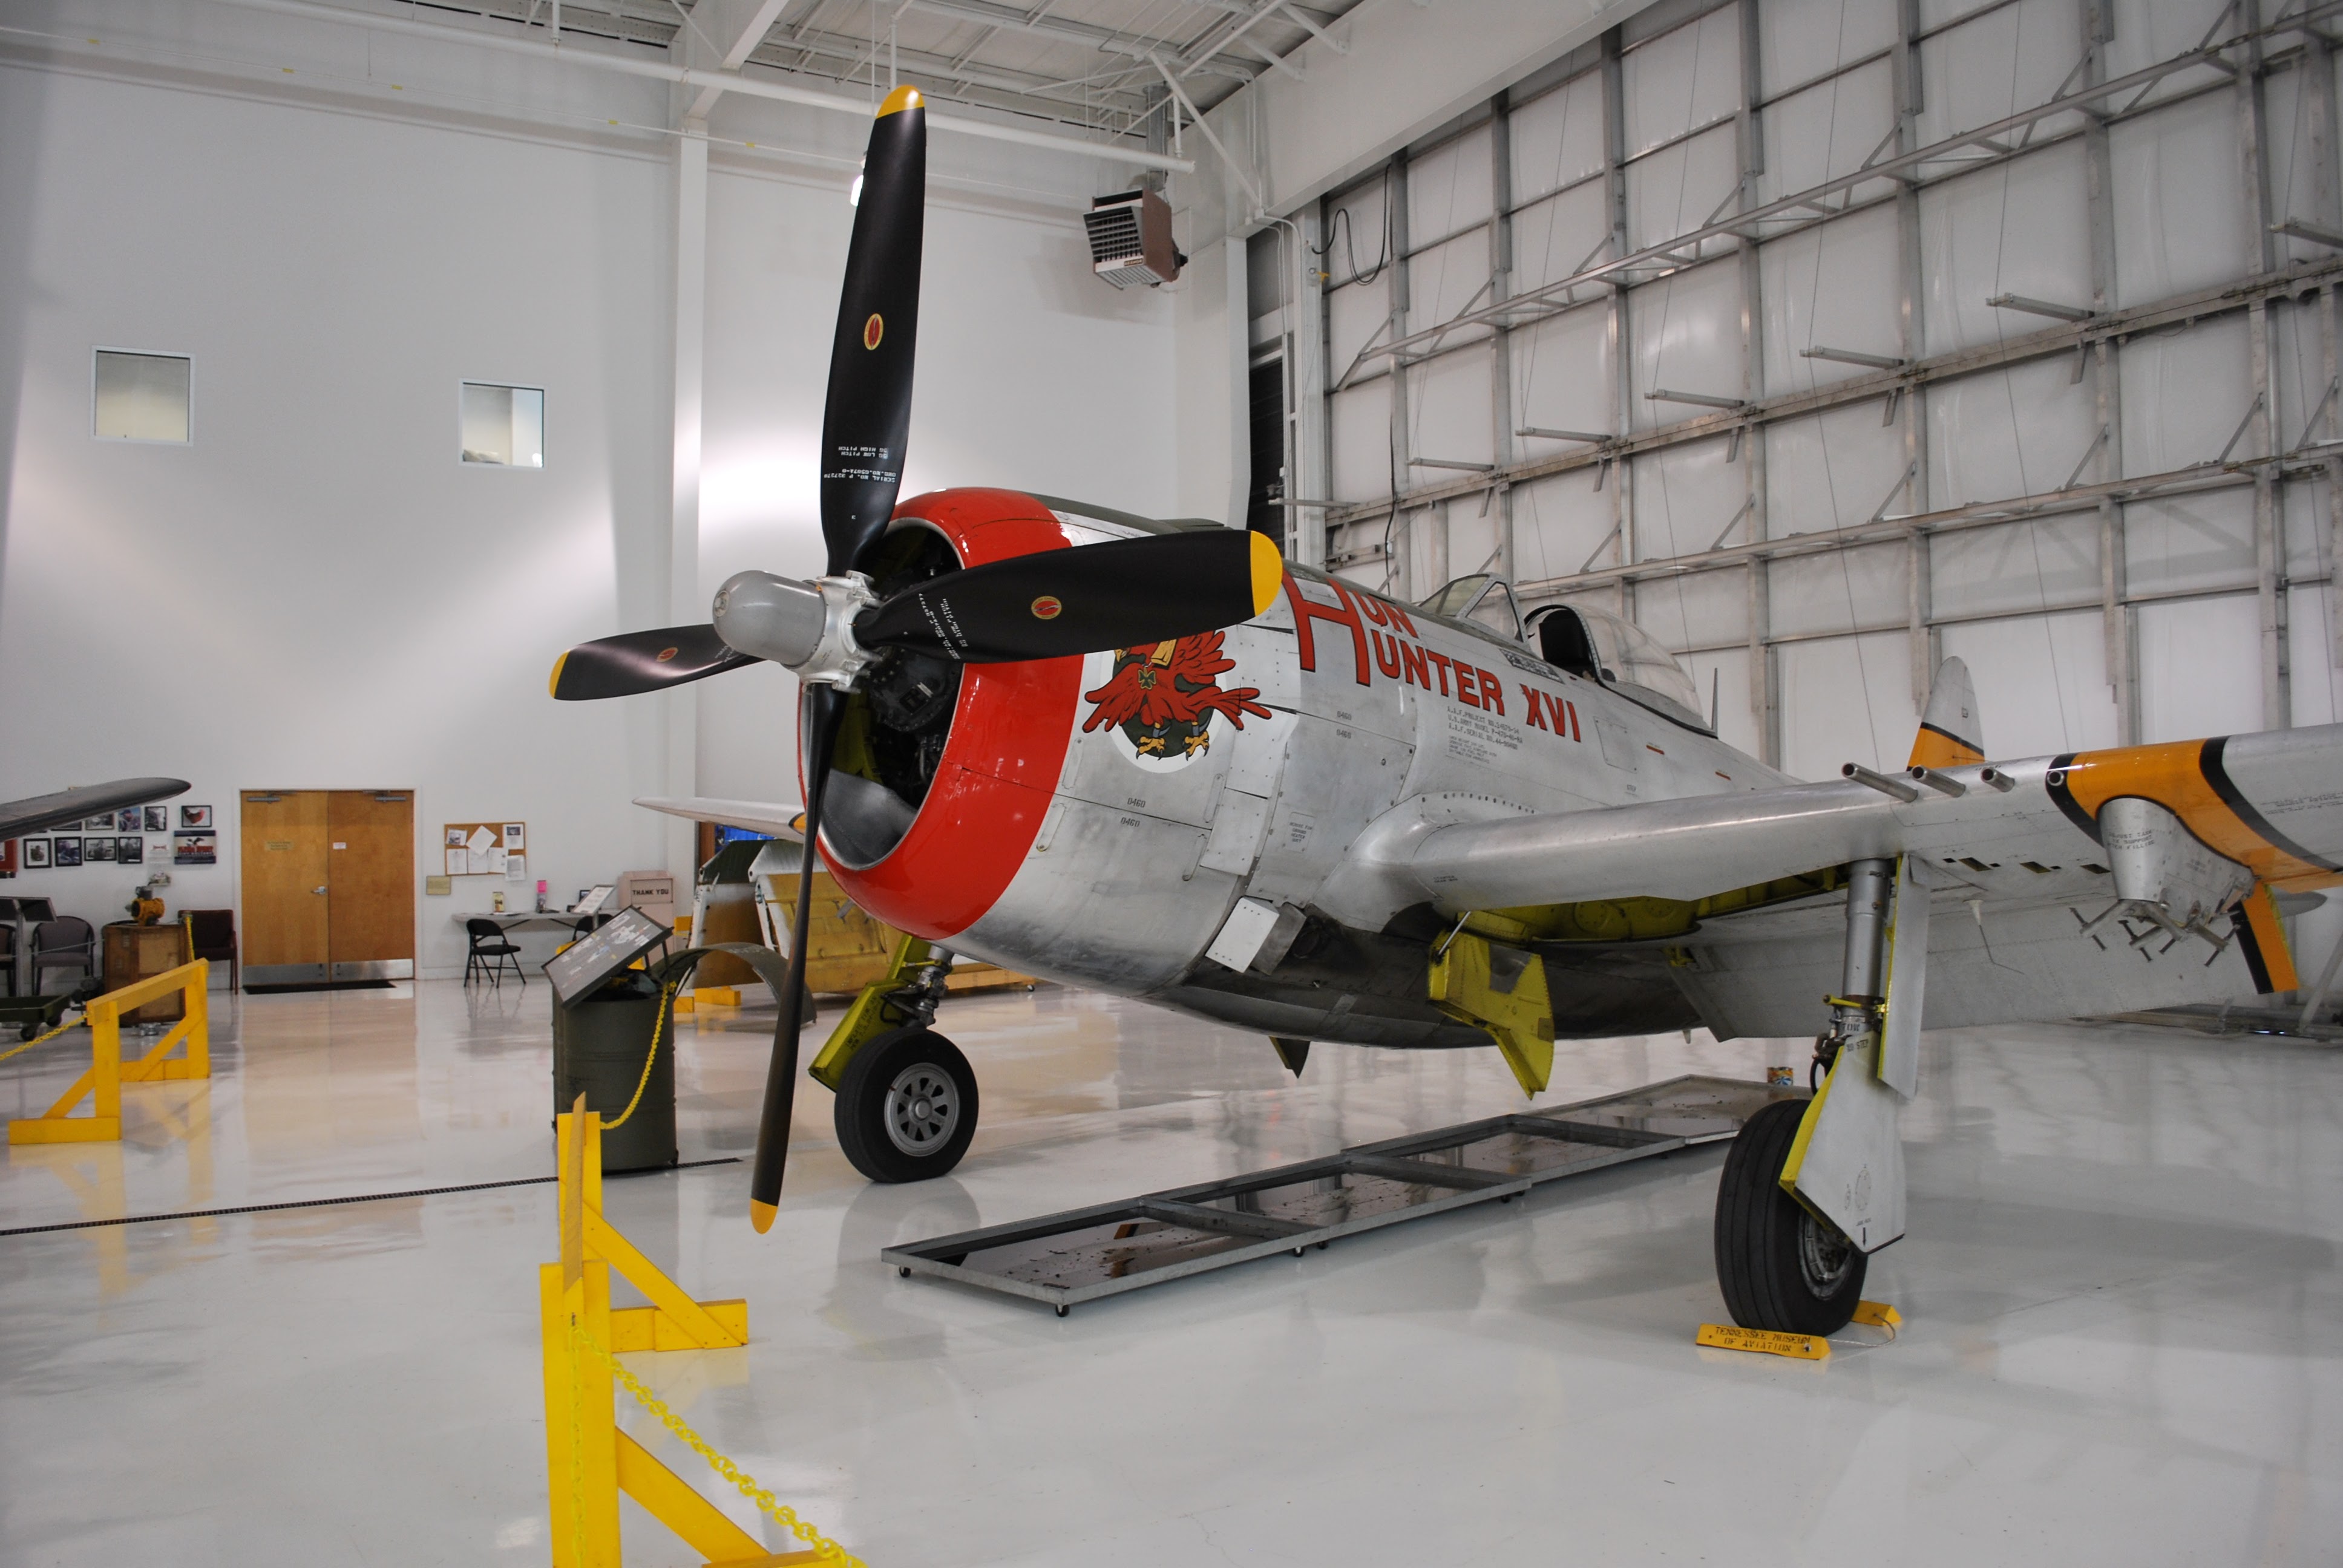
{"x":906,"y":1107}
{"x":1778,"y":1265}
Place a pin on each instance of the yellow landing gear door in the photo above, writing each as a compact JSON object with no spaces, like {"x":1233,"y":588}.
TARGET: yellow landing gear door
{"x":1503,"y":991}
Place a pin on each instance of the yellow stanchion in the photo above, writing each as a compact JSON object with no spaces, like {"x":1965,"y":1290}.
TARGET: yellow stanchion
{"x":107,"y":1074}
{"x":588,"y":1461}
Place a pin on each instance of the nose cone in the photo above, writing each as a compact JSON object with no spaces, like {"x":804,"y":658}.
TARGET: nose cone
{"x":771,"y":617}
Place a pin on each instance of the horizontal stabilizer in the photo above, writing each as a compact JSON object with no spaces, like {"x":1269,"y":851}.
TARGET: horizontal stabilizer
{"x":782,"y":821}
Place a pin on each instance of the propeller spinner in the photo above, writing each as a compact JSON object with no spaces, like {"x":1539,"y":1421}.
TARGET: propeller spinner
{"x":1052,"y":604}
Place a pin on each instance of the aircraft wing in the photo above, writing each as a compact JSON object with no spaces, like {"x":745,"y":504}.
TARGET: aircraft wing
{"x":780,"y":819}
{"x":66,"y":807}
{"x":2081,"y":888}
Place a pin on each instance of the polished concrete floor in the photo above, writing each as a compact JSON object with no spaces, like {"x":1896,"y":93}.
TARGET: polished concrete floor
{"x":2125,"y":1315}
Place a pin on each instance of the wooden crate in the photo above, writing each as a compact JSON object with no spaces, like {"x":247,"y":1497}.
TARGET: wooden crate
{"x":846,"y":949}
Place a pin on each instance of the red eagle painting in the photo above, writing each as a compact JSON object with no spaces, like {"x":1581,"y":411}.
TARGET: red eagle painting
{"x":1162,"y":696}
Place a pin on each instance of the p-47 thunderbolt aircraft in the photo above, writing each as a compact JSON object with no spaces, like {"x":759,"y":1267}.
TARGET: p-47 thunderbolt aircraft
{"x":1154,"y":759}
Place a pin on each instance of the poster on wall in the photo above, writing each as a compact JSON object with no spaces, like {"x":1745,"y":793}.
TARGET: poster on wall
{"x":37,"y":854}
{"x":158,"y":818}
{"x":195,"y":849}
{"x":8,"y":858}
{"x":69,"y":852}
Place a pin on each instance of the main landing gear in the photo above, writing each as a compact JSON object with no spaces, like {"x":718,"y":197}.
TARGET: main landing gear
{"x":1813,"y":1187}
{"x":1778,"y":1265}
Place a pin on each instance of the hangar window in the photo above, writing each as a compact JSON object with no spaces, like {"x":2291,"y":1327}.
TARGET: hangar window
{"x":142,"y":397}
{"x":503,"y":427}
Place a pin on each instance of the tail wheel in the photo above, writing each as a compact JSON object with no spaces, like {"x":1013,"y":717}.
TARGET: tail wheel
{"x":906,"y":1107}
{"x":1779,"y":1266}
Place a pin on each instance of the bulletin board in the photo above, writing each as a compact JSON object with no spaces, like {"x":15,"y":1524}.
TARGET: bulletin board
{"x":486,"y":850}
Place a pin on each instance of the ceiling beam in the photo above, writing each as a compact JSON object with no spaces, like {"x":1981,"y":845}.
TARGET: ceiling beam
{"x":745,"y":86}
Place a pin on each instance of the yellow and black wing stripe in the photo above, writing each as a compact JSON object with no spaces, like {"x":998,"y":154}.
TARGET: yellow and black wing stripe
{"x":2188,"y":779}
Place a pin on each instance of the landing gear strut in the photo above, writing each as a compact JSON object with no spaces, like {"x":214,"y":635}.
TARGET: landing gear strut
{"x":1782,"y":1262}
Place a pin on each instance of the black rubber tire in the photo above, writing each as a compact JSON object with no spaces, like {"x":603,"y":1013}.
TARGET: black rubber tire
{"x":1768,"y":1245}
{"x":860,"y":1111}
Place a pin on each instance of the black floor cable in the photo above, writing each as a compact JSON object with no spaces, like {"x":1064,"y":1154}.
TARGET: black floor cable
{"x":356,"y":1198}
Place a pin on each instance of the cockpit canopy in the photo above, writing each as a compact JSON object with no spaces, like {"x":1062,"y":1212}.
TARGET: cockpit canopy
{"x":1620,"y":654}
{"x":1581,"y":639}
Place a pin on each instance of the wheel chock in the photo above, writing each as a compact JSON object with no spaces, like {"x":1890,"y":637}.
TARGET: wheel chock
{"x":717,"y":995}
{"x":1878,"y":1315}
{"x":1764,"y":1342}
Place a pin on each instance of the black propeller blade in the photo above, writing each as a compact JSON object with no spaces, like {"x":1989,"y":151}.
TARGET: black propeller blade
{"x":1074,"y":602}
{"x":635,"y":661}
{"x":863,"y":427}
{"x":868,"y":412}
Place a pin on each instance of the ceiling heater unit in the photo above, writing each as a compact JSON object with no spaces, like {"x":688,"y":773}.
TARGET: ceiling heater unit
{"x":1131,"y":239}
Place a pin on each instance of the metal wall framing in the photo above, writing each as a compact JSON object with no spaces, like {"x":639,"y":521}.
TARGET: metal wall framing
{"x":1828,"y":339}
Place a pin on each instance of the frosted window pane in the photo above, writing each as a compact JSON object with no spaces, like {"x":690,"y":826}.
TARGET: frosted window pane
{"x":142,"y":397}
{"x":504,"y":426}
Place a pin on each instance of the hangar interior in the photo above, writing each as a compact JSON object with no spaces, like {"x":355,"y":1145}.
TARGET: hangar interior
{"x":361,"y":357}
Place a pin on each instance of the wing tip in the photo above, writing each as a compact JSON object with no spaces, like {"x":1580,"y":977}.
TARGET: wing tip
{"x":906,"y":97}
{"x":553,"y":682}
{"x":761,"y":1214}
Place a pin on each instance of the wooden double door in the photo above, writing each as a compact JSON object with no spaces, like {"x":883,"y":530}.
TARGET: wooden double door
{"x":329,"y":885}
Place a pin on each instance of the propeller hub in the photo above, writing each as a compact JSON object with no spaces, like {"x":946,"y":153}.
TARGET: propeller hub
{"x":806,"y":626}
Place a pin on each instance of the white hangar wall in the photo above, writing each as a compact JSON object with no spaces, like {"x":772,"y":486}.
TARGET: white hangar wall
{"x":314,"y":592}
{"x":2120,"y":509}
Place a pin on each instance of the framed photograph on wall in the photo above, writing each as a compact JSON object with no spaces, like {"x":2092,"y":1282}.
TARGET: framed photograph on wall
{"x":195,"y":849}
{"x":69,"y":852}
{"x":130,"y":851}
{"x":94,"y":824}
{"x":37,"y":854}
{"x":196,"y":816}
{"x":158,"y":818}
{"x":96,"y":847}
{"x":127,"y":820}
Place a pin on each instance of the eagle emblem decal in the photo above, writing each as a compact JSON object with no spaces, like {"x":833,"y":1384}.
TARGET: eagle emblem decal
{"x":1161,"y":697}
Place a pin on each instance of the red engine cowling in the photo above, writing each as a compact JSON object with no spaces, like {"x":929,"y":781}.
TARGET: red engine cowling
{"x":1002,"y":757}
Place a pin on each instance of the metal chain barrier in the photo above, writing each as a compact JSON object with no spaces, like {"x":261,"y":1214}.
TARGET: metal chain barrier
{"x":829,"y":1549}
{"x":44,"y":1038}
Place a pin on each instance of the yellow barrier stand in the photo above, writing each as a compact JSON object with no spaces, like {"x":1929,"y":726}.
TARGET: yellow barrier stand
{"x":107,"y":1074}
{"x":588,"y":1461}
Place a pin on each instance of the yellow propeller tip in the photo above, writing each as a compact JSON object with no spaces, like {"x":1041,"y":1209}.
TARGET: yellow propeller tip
{"x":903,"y":97}
{"x":1268,"y":573}
{"x":761,"y":1215}
{"x":553,"y":686}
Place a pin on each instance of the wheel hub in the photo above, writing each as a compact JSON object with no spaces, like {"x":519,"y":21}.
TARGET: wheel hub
{"x":1824,"y":1256}
{"x":922,"y":1108}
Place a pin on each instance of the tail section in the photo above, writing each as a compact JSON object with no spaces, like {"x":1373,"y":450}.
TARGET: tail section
{"x":1950,"y":735}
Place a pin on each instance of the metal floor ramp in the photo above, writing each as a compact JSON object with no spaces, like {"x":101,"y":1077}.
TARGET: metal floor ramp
{"x":1082,"y":1255}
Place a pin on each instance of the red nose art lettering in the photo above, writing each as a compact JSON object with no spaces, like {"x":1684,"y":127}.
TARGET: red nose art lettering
{"x":1163,"y":696}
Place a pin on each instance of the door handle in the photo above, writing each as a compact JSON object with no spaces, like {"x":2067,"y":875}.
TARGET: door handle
{"x":317,"y":890}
